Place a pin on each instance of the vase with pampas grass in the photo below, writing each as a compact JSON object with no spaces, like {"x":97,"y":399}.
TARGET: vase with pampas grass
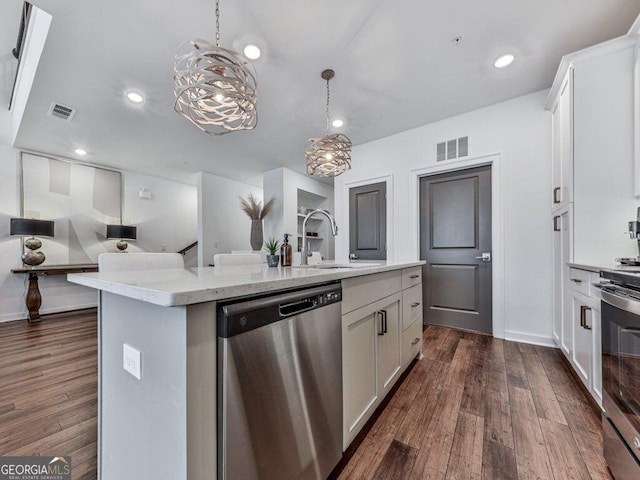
{"x":256,"y":212}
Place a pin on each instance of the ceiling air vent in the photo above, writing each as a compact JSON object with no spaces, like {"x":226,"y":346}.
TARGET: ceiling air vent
{"x":451,"y":149}
{"x":61,"y":111}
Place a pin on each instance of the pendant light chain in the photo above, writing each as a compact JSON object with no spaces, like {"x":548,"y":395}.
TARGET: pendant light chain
{"x":218,"y":23}
{"x":328,"y":99}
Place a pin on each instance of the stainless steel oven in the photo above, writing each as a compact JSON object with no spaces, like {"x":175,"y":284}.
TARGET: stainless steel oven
{"x":621,"y":379}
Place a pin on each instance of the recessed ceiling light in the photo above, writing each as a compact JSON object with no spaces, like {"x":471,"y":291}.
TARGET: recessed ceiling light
{"x":504,"y":60}
{"x":81,"y":151}
{"x":252,"y":52}
{"x":135,"y":97}
{"x":337,"y":123}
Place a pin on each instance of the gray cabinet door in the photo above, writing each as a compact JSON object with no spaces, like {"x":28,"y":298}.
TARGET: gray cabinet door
{"x":455,"y":233}
{"x":368,"y":221}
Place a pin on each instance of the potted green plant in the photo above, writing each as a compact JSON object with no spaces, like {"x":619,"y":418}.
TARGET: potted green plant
{"x":273,"y":247}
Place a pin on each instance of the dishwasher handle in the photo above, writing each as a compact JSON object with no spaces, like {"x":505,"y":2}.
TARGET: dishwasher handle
{"x":294,"y":308}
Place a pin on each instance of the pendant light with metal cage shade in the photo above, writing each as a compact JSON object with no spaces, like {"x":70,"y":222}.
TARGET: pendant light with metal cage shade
{"x":215,"y":88}
{"x":329,"y":155}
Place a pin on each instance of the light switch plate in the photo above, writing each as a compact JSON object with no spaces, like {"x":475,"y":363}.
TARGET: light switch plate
{"x":131,"y":359}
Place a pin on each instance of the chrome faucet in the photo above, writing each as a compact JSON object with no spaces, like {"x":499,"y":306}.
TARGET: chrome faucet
{"x":305,"y":247}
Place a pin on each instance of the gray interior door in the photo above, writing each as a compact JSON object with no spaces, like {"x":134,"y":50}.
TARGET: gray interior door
{"x":455,"y":235}
{"x":368,"y":222}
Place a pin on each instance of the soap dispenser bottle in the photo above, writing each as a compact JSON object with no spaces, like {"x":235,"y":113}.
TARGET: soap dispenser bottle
{"x":286,"y":255}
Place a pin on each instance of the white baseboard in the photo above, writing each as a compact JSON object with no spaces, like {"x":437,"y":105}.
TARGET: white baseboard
{"x":12,"y":317}
{"x":529,"y":338}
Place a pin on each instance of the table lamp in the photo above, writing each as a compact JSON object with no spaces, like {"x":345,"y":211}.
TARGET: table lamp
{"x":32,"y":227}
{"x":121,"y":232}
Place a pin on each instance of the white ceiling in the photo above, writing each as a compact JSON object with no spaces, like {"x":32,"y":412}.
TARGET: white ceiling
{"x":396,"y":64}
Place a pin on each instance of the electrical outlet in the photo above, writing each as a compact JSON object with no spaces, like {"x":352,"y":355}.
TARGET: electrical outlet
{"x":131,"y":360}
{"x":163,"y":247}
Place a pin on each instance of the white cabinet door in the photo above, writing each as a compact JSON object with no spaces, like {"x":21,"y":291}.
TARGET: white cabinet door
{"x":596,"y":361}
{"x":562,"y":155}
{"x":389,"y":355}
{"x":562,"y":251}
{"x":582,"y":353}
{"x":359,"y":377}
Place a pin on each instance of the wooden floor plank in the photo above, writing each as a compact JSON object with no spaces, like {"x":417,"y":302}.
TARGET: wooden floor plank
{"x":397,"y":462}
{"x":564,"y":456}
{"x":544,"y":396}
{"x":465,"y":460}
{"x":498,"y":461}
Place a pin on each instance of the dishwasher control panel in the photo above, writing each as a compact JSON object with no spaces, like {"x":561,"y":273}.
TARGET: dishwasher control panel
{"x":237,"y":317}
{"x":331,"y":297}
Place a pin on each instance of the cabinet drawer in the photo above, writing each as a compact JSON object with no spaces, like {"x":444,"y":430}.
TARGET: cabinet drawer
{"x":411,"y":342}
{"x":411,"y":306}
{"x":580,"y":281}
{"x":411,"y":276}
{"x":360,"y":291}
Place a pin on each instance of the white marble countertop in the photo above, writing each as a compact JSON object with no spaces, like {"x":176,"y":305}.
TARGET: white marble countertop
{"x":614,"y":267}
{"x":176,"y":287}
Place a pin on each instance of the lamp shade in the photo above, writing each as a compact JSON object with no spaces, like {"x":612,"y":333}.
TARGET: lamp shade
{"x":30,"y":226}
{"x":121,"y":231}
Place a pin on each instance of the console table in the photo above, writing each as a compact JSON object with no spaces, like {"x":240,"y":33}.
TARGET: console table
{"x":34,"y":299}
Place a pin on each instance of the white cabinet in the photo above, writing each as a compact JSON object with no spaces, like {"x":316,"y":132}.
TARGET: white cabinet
{"x":562,"y":144}
{"x":389,"y":355}
{"x":371,"y":359}
{"x":592,"y":164}
{"x":581,"y":353}
{"x":381,"y":335}
{"x":561,"y":256}
{"x":592,"y":154}
{"x":359,"y":376}
{"x":585,"y":352}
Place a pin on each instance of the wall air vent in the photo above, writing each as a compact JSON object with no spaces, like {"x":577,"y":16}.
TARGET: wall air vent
{"x":61,"y":111}
{"x":451,"y":149}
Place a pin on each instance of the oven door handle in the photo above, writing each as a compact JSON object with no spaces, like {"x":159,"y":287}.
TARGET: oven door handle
{"x":623,"y":303}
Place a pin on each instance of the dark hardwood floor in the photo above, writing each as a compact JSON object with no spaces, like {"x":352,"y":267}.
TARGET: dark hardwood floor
{"x":474,"y":408}
{"x":482,"y":408}
{"x":49,"y":390}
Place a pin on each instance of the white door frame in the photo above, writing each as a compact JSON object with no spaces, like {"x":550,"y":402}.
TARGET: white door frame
{"x":388,"y":179}
{"x":497,"y":232}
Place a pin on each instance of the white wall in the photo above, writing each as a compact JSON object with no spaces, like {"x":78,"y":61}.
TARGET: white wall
{"x":519,"y":130}
{"x":222,"y":226}
{"x":168,"y":218}
{"x":168,"y":221}
{"x":283,"y":184}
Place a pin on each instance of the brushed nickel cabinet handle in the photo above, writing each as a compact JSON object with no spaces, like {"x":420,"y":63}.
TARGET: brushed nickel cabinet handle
{"x":556,"y":191}
{"x":556,"y":226}
{"x":576,"y":280}
{"x":415,"y":304}
{"x":381,"y":330}
{"x":415,"y":340}
{"x":414,"y":276}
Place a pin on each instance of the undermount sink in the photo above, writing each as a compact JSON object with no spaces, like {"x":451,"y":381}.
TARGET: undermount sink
{"x":342,"y":265}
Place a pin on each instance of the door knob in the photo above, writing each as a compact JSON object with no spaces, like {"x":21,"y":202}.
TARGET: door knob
{"x":485,"y":257}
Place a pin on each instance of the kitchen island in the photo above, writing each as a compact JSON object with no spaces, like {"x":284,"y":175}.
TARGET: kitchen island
{"x":158,"y":420}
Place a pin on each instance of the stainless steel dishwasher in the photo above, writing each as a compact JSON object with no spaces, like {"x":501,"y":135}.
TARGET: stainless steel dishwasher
{"x":280,"y":386}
